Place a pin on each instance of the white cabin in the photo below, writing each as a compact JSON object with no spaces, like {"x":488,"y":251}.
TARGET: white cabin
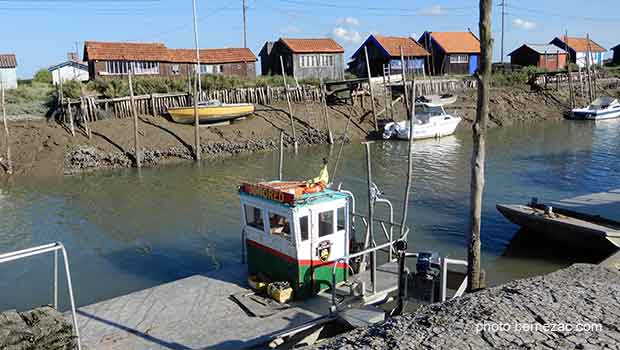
{"x":8,"y":71}
{"x":69,"y":70}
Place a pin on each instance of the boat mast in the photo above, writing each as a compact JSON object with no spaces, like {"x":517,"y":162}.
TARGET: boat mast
{"x":197,"y":48}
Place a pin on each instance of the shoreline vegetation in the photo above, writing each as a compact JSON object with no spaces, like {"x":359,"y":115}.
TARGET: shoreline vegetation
{"x":42,"y":146}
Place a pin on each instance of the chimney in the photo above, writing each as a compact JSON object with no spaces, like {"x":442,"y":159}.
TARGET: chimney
{"x":73,"y":56}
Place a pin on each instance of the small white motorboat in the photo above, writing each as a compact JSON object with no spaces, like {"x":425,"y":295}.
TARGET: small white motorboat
{"x":431,"y":121}
{"x":602,"y":108}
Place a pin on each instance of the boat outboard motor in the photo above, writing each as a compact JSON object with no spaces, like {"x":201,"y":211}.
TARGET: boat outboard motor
{"x":424,"y":284}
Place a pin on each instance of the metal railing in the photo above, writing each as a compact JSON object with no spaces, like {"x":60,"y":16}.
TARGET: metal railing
{"x":443,"y":270}
{"x":48,"y":248}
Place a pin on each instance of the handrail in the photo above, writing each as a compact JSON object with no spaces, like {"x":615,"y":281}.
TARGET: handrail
{"x":47,"y":248}
{"x":348,"y":257}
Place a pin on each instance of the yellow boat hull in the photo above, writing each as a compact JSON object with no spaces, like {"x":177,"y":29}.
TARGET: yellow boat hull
{"x":211,"y":114}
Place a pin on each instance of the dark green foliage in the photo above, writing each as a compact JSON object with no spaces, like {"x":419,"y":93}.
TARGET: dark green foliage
{"x":71,"y":89}
{"x":43,"y":76}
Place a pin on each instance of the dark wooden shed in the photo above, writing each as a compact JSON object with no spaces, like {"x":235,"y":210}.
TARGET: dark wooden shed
{"x":545,"y":56}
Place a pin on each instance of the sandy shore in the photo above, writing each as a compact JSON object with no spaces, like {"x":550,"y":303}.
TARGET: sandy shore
{"x":47,"y":148}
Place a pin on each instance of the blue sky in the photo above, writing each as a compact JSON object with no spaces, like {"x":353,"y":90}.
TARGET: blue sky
{"x":41,"y":32}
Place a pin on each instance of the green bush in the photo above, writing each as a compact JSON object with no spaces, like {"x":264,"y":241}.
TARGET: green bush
{"x":71,"y":89}
{"x":43,"y":76}
{"x":519,"y":77}
{"x":30,"y":98}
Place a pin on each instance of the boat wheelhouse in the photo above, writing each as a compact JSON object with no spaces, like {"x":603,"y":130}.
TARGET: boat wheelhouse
{"x":604,"y":107}
{"x":294,"y":236}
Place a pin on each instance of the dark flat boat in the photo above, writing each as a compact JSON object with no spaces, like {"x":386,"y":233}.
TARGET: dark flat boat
{"x":567,"y":227}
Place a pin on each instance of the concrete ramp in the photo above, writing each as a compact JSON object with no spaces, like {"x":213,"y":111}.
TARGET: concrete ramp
{"x":604,"y":204}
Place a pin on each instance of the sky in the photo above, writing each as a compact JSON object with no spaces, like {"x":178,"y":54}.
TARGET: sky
{"x":41,"y":32}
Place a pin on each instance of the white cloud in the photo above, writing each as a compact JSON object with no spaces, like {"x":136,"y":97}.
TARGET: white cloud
{"x":523,"y":24}
{"x":291,"y":29}
{"x":352,"y":21}
{"x":347,"y":35}
{"x":434,"y":10}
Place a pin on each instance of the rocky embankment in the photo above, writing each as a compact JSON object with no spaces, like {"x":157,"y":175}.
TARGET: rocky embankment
{"x":41,"y":328}
{"x":574,"y":308}
{"x":41,"y":148}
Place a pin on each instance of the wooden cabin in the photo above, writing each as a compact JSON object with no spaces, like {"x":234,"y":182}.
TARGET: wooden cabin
{"x":616,"y":58}
{"x":451,"y":52}
{"x":544,"y":56}
{"x":384,"y":51}
{"x":8,"y":70}
{"x":578,"y":50}
{"x":303,"y":58}
{"x":115,"y":59}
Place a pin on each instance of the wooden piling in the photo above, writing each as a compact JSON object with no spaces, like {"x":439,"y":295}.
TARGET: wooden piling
{"x":330,"y":137}
{"x":281,"y":155}
{"x":136,"y":139}
{"x":372,"y":95}
{"x":197,"y":148}
{"x":83,"y":109}
{"x":71,"y":124}
{"x":7,"y":137}
{"x":404,"y":78}
{"x":290,"y":107}
{"x":570,"y":79}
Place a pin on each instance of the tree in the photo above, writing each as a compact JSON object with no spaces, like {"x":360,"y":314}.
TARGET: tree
{"x":43,"y":76}
{"x":483,"y":76}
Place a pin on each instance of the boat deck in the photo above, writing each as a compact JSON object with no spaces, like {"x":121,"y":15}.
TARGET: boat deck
{"x":198,"y":312}
{"x":604,"y":204}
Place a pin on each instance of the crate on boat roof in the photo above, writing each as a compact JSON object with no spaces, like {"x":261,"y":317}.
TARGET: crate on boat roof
{"x":291,"y":192}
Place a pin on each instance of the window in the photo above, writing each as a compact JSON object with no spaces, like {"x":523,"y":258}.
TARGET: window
{"x":137,"y":67}
{"x":459,"y":58}
{"x":175,"y":69}
{"x":303,"y":225}
{"x":221,"y":69}
{"x":206,"y":69}
{"x":254,"y":217}
{"x":279,"y":226}
{"x":340,"y":217}
{"x":326,"y":223}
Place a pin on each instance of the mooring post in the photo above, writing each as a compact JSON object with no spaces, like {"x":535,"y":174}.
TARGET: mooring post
{"x":136,"y":140}
{"x":281,"y":155}
{"x":197,"y":148}
{"x":83,"y":109}
{"x":7,"y":138}
{"x":371,"y":214}
{"x":404,"y":78}
{"x":71,"y":124}
{"x":372,"y":95}
{"x":568,"y":70}
{"x":330,"y":137}
{"x":290,"y":108}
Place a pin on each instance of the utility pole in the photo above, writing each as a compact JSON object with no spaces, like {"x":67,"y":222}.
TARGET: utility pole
{"x":245,"y":27}
{"x":503,"y":5}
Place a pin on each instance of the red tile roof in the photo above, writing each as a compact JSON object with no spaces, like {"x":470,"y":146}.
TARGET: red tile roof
{"x":581,"y":44}
{"x":8,"y":60}
{"x":457,"y":42}
{"x":322,"y":45}
{"x":212,"y":56}
{"x":392,"y":45}
{"x":94,"y":50}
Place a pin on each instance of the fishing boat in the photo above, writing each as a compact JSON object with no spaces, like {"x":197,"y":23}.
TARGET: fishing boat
{"x":431,"y":120}
{"x":568,"y":227}
{"x":602,"y":108}
{"x":211,"y":112}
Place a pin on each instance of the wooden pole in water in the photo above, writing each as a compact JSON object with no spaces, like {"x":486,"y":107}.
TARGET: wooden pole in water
{"x":404,"y":78}
{"x":411,"y":113}
{"x":330,"y":136}
{"x":83,"y":108}
{"x":136,"y":140}
{"x":372,"y":94}
{"x":344,"y":140}
{"x":589,"y":79}
{"x":7,"y":138}
{"x":281,"y":155}
{"x":197,"y":148}
{"x":371,"y":214}
{"x":594,"y":94}
{"x":479,"y":147}
{"x":290,"y":107}
{"x":570,"y":78}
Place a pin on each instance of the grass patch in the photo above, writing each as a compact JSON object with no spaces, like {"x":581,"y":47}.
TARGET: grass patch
{"x":30,"y":97}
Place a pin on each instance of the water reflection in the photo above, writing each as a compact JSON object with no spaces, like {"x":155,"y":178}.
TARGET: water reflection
{"x":127,"y":231}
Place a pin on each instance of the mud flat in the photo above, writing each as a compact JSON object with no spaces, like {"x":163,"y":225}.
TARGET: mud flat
{"x":573,"y":308}
{"x":47,"y":148}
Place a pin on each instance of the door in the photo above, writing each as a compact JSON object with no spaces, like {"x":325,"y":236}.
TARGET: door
{"x":473,"y":64}
{"x":329,"y":243}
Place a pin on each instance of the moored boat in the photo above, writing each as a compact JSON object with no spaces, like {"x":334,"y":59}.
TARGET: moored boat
{"x":567,"y":227}
{"x":602,"y":108}
{"x":211,"y":112}
{"x":431,"y":120}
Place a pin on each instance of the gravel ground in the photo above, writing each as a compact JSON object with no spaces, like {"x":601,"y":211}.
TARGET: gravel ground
{"x":543,"y":312}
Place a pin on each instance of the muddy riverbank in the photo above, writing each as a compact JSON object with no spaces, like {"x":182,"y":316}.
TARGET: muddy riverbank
{"x":46,"y":148}
{"x":574,"y":308}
